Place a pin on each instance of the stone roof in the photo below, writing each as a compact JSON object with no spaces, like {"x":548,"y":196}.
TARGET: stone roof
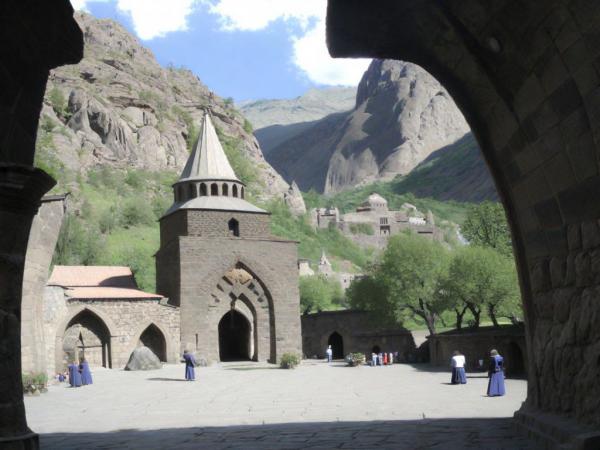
{"x":106,"y":282}
{"x":374,"y":198}
{"x":208,"y":160}
{"x":217,"y":204}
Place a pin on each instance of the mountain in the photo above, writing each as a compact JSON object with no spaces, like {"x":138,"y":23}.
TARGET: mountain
{"x":275,"y":121}
{"x":401,"y":116}
{"x":119,"y":108}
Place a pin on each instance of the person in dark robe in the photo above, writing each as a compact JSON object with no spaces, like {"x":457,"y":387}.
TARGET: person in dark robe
{"x":190,"y":363}
{"x":458,"y":368}
{"x":74,"y":375}
{"x":86,"y":374}
{"x":496,"y":375}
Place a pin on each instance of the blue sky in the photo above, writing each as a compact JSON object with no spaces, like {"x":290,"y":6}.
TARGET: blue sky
{"x":245,"y":49}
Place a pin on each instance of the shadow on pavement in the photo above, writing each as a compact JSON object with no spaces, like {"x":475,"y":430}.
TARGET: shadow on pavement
{"x":447,"y":434}
{"x":166,"y":379}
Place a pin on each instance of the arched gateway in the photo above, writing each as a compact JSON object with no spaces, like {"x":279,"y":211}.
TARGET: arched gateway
{"x":236,"y":285}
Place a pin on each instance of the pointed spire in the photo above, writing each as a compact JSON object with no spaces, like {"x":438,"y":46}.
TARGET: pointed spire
{"x":208,"y":160}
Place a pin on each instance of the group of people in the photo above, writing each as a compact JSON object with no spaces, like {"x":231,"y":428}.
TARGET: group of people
{"x":495,"y":372}
{"x":77,"y":374}
{"x":383,"y":359}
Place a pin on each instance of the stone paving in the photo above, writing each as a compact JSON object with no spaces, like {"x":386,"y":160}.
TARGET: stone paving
{"x":251,"y":406}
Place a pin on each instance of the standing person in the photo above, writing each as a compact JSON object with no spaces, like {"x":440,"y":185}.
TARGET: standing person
{"x":86,"y":373}
{"x":329,"y":353}
{"x":380,"y":358}
{"x":391,"y":358}
{"x":458,"y":368}
{"x":385,"y":359}
{"x":374,"y":359}
{"x":74,"y":375}
{"x":496,"y":374}
{"x":190,"y":363}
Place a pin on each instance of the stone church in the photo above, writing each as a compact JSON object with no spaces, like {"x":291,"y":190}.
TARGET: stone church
{"x":227,"y":289}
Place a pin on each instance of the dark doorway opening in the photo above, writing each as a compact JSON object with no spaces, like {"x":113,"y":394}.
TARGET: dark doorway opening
{"x":87,"y":336}
{"x":153,"y":338}
{"x":515,"y":362}
{"x":234,"y":227}
{"x":376,"y":349}
{"x":234,"y":337}
{"x":337,"y":345}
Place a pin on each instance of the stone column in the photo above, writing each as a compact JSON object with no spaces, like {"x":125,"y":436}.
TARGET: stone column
{"x":21,"y":189}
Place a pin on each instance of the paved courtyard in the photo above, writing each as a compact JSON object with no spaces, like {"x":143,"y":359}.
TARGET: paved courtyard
{"x":251,"y":406}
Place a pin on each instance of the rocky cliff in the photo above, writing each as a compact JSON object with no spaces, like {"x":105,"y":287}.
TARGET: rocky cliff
{"x":401,"y":115}
{"x":119,"y":107}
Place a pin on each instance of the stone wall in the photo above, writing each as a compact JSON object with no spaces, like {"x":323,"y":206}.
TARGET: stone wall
{"x":40,"y":248}
{"x":204,"y":262}
{"x":359,"y":333}
{"x":125,"y":320}
{"x":215,"y":224}
{"x":476,"y":345}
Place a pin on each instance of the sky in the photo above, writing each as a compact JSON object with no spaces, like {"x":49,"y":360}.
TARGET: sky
{"x":244,"y":49}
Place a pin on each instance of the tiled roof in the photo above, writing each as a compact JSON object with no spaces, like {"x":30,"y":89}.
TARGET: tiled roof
{"x":98,"y":282}
{"x":108,"y":292}
{"x":71,"y":276}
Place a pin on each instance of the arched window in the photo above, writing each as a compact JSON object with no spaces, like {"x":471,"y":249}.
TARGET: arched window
{"x":192,"y":190}
{"x":225,"y":190}
{"x":214,"y":189}
{"x":181,"y":194}
{"x":202,"y":190}
{"x":234,"y":190}
{"x":234,"y":227}
{"x":242,"y":193}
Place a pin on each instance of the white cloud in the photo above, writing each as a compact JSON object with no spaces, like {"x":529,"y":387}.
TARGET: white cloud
{"x":151,"y":18}
{"x":310,"y":50}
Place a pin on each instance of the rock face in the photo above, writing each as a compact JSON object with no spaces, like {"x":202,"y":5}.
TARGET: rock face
{"x":401,"y":116}
{"x":142,"y":358}
{"x":119,"y":107}
{"x":294,"y":200}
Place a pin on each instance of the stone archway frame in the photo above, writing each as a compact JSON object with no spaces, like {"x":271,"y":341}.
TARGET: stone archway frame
{"x":62,"y":328}
{"x":342,"y":331}
{"x":170,"y":351}
{"x":260,"y":274}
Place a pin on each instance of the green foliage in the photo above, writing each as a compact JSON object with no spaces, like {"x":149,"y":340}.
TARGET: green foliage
{"x":312,"y":242}
{"x":155,"y":100}
{"x":47,"y":124}
{"x":362,"y":228}
{"x":248,"y":126}
{"x":318,"y":293}
{"x":355,"y":359}
{"x":481,"y":280}
{"x":34,"y":381}
{"x":78,"y":243}
{"x":486,"y":225}
{"x":134,"y":212}
{"x":192,"y":130}
{"x":289,"y":361}
{"x":228,"y":102}
{"x":58,"y":102}
{"x":403,"y":283}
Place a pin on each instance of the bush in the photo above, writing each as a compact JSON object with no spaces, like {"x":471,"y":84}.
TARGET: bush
{"x":355,"y":359}
{"x":58,"y":102}
{"x":135,"y":212}
{"x":362,"y":228}
{"x":289,"y":361}
{"x":248,"y":126}
{"x":34,"y":382}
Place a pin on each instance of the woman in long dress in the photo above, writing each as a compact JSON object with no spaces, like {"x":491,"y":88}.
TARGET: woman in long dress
{"x":74,"y":375}
{"x":190,"y":363}
{"x":86,"y":373}
{"x":496,"y":374}
{"x":458,"y":368}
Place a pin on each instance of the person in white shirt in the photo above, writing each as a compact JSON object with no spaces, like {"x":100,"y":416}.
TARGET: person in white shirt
{"x":329,"y":352}
{"x":458,"y":368}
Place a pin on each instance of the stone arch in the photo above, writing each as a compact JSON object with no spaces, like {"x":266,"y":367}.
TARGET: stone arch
{"x":225,"y":189}
{"x":241,"y":285}
{"x":86,"y":333}
{"x":203,"y":192}
{"x":234,"y":190}
{"x":235,"y":337}
{"x":214,"y":189}
{"x":531,"y":98}
{"x":169,"y":351}
{"x":336,"y":340}
{"x":242,"y":195}
{"x":192,"y":192}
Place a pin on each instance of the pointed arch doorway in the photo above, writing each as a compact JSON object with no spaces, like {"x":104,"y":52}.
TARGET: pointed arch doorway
{"x":235,"y":337}
{"x":337,"y":345}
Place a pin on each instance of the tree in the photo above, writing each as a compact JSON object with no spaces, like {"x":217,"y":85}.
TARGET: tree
{"x":479,"y":279}
{"x":404,"y":282}
{"x":485,"y":225}
{"x":318,"y":293}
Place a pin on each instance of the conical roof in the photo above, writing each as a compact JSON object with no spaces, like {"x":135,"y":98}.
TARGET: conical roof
{"x":208,"y":160}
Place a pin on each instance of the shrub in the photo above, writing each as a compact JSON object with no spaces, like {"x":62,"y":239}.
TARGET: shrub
{"x":58,"y":101}
{"x":361,"y":228}
{"x":289,"y":361}
{"x":135,"y":212}
{"x":35,"y":381}
{"x":355,"y":359}
{"x":248,"y":126}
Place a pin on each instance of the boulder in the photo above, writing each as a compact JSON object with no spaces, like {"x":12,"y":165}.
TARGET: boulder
{"x":294,"y":200}
{"x":142,"y":358}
